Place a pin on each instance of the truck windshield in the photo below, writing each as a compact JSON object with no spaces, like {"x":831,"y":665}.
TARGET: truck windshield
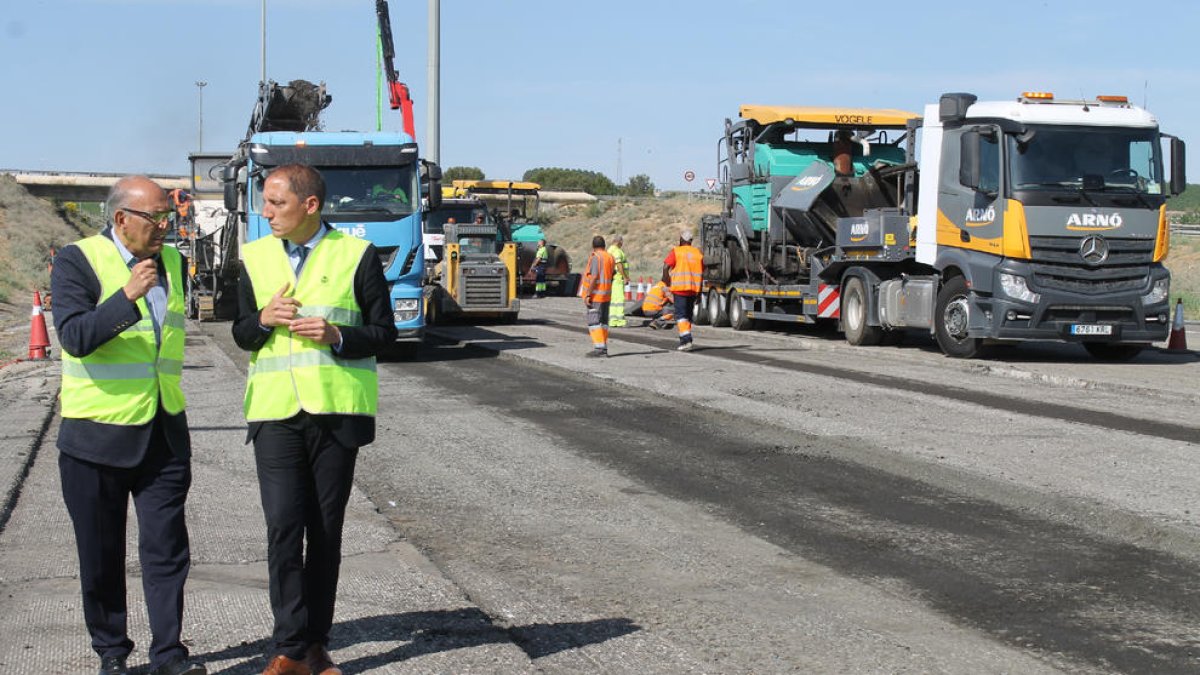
{"x":1088,"y":158}
{"x":357,"y":190}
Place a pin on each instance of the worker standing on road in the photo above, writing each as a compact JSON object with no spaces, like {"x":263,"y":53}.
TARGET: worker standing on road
{"x":541,"y":260}
{"x":596,"y":291}
{"x":313,"y":313}
{"x":119,"y":312}
{"x":616,"y":316}
{"x":684,"y":268}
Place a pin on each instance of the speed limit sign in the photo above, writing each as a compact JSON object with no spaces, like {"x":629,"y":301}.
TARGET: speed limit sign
{"x":689,"y":176}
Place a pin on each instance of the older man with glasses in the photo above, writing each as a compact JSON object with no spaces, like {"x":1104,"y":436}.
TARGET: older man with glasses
{"x":119,"y":311}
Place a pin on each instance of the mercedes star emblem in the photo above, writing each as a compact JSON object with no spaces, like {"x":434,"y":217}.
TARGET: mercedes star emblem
{"x":1093,"y":250}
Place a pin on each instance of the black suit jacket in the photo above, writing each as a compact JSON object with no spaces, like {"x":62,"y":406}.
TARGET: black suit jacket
{"x":370,"y":339}
{"x":84,"y":322}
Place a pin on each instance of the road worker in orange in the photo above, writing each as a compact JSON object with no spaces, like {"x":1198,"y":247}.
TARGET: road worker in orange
{"x":683,"y":269}
{"x":657,"y":307}
{"x":596,"y":291}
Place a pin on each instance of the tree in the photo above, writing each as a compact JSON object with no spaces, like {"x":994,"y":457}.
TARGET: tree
{"x":592,"y":182}
{"x":462,"y":173}
{"x":639,"y":186}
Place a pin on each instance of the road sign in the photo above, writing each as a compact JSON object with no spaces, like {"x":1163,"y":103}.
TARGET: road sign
{"x":689,"y":176}
{"x":710,"y":182}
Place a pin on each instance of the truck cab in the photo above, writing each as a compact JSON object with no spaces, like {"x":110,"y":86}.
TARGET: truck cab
{"x":1046,"y":219}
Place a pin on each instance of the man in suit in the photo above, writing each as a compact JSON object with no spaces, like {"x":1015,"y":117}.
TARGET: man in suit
{"x":119,"y":313}
{"x":313,"y":311}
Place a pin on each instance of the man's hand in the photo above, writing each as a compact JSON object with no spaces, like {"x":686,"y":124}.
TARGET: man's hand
{"x":281,"y":309}
{"x":317,"y":329}
{"x":142,"y":277}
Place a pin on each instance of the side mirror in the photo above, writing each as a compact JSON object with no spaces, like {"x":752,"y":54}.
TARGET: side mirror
{"x":968,"y":159}
{"x":431,"y":183}
{"x":1178,"y":172}
{"x":229,"y":180}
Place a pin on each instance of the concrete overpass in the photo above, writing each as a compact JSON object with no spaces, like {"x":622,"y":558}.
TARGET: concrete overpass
{"x":66,"y":186}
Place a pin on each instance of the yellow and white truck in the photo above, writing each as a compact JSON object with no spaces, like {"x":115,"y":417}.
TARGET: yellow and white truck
{"x":1028,"y":219}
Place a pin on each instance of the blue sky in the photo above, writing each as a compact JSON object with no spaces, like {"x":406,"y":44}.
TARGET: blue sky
{"x":109,"y":85}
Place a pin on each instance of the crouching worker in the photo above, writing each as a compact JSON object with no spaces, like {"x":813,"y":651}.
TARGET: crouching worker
{"x":657,"y":307}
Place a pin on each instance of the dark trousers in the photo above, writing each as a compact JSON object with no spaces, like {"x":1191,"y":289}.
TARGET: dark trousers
{"x":97,"y":499}
{"x":304,"y":477}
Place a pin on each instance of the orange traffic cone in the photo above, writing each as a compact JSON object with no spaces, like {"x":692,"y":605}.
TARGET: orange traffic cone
{"x":38,"y":338}
{"x":1178,"y":340}
{"x":628,"y":291}
{"x":641,"y":294}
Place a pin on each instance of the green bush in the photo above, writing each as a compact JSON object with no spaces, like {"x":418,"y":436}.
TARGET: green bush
{"x":596,"y":209}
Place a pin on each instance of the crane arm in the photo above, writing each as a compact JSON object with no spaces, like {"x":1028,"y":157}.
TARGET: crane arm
{"x":397,"y":90}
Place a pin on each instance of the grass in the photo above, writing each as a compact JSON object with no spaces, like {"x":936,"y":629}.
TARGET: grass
{"x":1184,"y":263}
{"x":650,"y":228}
{"x":29,"y":228}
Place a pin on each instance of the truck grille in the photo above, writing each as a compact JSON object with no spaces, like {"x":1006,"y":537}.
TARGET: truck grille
{"x":481,"y":291}
{"x":1057,"y":265}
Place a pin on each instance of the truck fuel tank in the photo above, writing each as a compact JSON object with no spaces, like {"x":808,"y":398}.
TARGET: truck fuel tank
{"x":907,"y":301}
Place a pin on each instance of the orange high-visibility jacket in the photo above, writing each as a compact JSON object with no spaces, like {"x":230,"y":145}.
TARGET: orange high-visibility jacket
{"x":688,"y":270}
{"x":597,"y":280}
{"x":655,"y":299}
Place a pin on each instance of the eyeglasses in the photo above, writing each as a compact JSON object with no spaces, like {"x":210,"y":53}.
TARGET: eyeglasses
{"x":158,"y":218}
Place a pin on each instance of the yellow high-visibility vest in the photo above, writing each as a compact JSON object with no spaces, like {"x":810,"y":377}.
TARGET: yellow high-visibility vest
{"x":289,"y":373}
{"x":124,"y":379}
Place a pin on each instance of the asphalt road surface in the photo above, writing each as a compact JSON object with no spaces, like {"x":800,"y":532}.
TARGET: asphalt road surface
{"x":774,"y":501}
{"x":779,"y":501}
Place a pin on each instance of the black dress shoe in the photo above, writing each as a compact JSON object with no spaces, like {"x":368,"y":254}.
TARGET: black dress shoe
{"x":113,"y":665}
{"x":180,"y":667}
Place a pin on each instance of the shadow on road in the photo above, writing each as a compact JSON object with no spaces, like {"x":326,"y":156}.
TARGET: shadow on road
{"x":434,"y":632}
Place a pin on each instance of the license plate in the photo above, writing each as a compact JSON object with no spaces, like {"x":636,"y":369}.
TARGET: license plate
{"x":1091,"y":329}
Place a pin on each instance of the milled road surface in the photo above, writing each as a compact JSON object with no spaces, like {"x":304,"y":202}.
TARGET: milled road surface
{"x":772,"y":502}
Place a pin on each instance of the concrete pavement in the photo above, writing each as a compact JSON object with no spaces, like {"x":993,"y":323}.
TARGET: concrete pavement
{"x":396,"y":611}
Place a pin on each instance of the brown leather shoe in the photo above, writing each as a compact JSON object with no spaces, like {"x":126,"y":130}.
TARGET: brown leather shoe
{"x":320,"y":662}
{"x":282,"y":665}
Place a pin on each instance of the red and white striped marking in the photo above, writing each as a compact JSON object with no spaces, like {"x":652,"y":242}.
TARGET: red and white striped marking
{"x":829,"y":302}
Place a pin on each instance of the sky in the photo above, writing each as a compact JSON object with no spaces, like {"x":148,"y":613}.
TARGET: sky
{"x":621,"y":87}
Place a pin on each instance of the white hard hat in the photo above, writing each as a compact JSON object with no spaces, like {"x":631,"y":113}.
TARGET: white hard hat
{"x":686,"y":235}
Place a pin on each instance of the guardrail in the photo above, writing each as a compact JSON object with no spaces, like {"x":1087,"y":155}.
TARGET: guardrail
{"x":1186,"y":229}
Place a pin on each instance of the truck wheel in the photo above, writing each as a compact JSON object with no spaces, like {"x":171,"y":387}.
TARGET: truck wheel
{"x":1108,"y":351}
{"x":951,"y":320}
{"x":854,"y":314}
{"x":432,"y":315}
{"x":717,"y":316}
{"x":569,"y":285}
{"x":738,"y":317}
{"x":700,"y":310}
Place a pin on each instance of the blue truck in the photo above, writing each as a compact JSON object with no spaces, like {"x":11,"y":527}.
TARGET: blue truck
{"x":377,"y":188}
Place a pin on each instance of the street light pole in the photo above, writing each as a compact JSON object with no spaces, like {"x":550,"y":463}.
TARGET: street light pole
{"x":200,"y":85}
{"x":432,"y":145}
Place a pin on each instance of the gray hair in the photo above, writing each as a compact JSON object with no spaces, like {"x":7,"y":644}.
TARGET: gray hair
{"x":618,"y":239}
{"x":118,"y":195}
